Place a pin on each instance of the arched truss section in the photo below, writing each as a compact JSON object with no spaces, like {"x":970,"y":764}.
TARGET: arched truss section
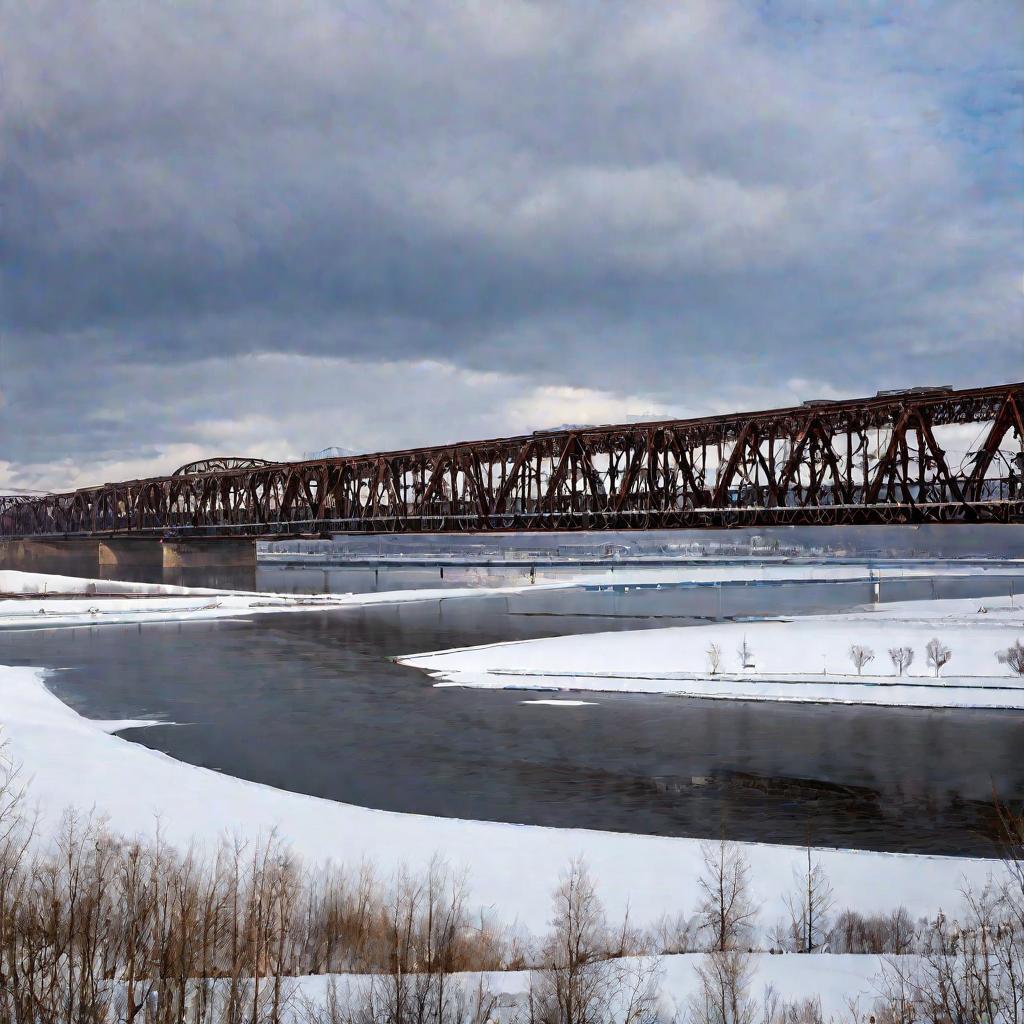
{"x":926,"y":455}
{"x":217,"y":465}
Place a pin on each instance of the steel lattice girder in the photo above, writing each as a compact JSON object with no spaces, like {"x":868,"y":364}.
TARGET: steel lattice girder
{"x":874,"y":460}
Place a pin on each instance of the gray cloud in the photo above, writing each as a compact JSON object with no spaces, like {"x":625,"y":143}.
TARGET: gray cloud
{"x":679,"y":204}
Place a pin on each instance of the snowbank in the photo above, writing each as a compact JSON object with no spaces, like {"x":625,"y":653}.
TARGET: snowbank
{"x":42,"y":600}
{"x":13,"y":581}
{"x":801,"y":659}
{"x":710,"y":575}
{"x":837,"y":980}
{"x":70,"y":761}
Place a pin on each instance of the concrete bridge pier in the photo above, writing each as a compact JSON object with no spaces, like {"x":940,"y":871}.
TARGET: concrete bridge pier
{"x":12,"y":553}
{"x":15,"y":553}
{"x":135,"y":552}
{"x":213,"y":553}
{"x":78,"y":554}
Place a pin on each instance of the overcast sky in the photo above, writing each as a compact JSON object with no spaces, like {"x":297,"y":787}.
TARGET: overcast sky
{"x":262,"y":228}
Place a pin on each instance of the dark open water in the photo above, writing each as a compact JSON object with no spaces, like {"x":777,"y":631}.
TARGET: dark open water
{"x":312,"y":703}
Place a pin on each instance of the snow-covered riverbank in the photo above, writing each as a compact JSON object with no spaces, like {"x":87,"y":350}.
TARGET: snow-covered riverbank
{"x":70,"y":761}
{"x":801,"y":659}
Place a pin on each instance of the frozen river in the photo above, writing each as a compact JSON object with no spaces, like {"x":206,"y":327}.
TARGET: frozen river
{"x":313,"y":703}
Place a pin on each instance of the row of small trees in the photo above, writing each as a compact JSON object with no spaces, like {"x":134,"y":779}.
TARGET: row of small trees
{"x":966,"y":972}
{"x":937,"y":654}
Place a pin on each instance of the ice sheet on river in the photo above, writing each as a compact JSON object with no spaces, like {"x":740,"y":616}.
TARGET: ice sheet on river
{"x":33,"y":600}
{"x":42,"y":600}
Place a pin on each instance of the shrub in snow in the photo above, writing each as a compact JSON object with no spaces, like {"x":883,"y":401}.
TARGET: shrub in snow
{"x":860,"y":656}
{"x":714,"y":653}
{"x":938,"y":654}
{"x":893,"y":933}
{"x":1013,"y":656}
{"x":901,"y":658}
{"x":746,"y":654}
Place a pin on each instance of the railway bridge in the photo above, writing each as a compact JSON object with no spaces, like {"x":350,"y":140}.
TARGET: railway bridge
{"x":920,"y":455}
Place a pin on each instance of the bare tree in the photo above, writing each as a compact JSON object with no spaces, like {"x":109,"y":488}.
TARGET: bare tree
{"x":938,"y":654}
{"x":809,"y":905}
{"x":745,"y":653}
{"x":724,"y":993}
{"x":583,"y":984}
{"x":901,"y":658}
{"x":714,"y":653}
{"x":1013,"y":656}
{"x":575,"y":989}
{"x":635,"y":988}
{"x":860,"y":656}
{"x":971,"y":969}
{"x":726,"y":908}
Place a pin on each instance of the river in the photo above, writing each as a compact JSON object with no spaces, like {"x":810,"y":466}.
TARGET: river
{"x":313,"y":703}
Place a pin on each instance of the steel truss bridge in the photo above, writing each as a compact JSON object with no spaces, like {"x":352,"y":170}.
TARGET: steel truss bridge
{"x":872,"y":460}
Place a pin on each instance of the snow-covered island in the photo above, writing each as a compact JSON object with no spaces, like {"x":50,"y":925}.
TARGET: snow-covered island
{"x":954,"y":653}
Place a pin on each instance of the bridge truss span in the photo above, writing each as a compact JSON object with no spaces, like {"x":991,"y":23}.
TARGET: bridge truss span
{"x":918,"y":456}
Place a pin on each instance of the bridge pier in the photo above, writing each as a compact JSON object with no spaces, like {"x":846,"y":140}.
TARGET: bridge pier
{"x":87,"y":555}
{"x":78,"y":550}
{"x":12,"y":553}
{"x":209,"y":554}
{"x":135,"y":552}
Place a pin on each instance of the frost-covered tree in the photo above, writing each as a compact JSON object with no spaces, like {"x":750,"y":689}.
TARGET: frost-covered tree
{"x":901,"y":658}
{"x":723,"y":995}
{"x":1013,"y":656}
{"x":575,"y":989}
{"x":809,"y":905}
{"x":726,"y":909}
{"x":587,"y":978}
{"x":938,"y":654}
{"x":860,"y":656}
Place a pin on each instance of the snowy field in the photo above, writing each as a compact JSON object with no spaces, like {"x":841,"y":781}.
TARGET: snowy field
{"x":806,"y":658}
